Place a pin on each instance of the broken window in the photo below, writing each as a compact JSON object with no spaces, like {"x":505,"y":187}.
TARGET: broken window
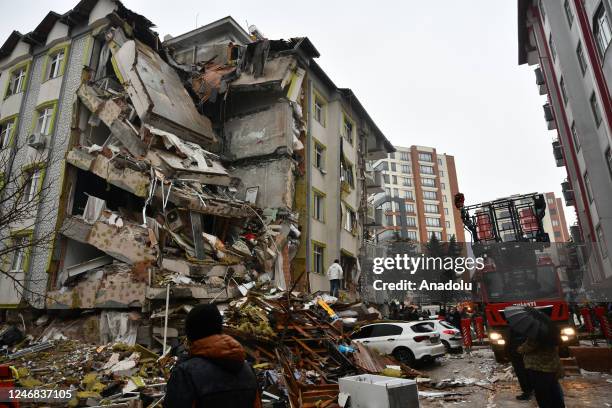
{"x":17,"y":81}
{"x":6,"y":131}
{"x":318,"y":258}
{"x":56,"y":64}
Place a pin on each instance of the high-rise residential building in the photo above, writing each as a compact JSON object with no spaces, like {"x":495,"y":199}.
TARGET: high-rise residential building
{"x":568,"y":41}
{"x":554,"y":219}
{"x":425,"y":182}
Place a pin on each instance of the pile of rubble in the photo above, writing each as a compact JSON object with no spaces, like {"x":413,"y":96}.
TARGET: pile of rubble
{"x":298,"y":345}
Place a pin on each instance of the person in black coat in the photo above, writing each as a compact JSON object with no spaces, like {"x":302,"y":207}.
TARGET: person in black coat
{"x":515,"y":340}
{"x":215,"y":374}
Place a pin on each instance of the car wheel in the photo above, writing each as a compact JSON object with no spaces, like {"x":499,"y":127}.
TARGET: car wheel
{"x":447,"y":346}
{"x":404,"y":355}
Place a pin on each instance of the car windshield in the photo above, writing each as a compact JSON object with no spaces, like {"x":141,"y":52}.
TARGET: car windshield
{"x":521,"y":284}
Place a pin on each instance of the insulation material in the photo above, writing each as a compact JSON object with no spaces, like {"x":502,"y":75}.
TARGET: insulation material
{"x":117,"y":327}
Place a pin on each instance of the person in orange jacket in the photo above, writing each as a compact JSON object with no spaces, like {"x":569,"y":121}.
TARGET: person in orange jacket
{"x":216,"y":373}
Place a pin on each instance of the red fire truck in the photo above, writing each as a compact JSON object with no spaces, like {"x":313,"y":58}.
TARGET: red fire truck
{"x":518,"y":269}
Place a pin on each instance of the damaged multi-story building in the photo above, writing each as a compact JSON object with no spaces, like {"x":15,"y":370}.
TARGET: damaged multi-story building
{"x":185,"y":169}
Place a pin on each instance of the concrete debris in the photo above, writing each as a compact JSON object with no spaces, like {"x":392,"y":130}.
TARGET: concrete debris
{"x":180,"y":188}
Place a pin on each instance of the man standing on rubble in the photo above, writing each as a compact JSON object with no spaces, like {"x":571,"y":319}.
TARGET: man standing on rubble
{"x":216,"y":373}
{"x":334,"y":274}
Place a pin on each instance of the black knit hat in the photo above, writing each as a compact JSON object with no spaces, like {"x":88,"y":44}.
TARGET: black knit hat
{"x":202,"y":321}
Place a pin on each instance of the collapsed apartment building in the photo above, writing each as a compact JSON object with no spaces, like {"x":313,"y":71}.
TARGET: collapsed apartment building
{"x":179,"y":172}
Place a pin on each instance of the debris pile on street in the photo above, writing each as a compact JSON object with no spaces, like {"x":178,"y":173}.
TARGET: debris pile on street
{"x":299,"y":346}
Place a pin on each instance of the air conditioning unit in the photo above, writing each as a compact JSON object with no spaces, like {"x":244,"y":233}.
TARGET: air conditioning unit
{"x":36,"y":140}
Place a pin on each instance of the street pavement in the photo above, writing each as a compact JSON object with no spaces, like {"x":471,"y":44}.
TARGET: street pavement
{"x":493,"y":385}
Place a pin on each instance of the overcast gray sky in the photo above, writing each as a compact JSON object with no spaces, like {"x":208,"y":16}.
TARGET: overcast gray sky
{"x":435,"y":73}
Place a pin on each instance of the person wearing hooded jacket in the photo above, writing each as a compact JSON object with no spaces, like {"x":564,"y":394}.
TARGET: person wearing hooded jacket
{"x":215,"y":374}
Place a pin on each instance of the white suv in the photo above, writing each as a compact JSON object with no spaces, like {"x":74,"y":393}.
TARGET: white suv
{"x":406,"y":341}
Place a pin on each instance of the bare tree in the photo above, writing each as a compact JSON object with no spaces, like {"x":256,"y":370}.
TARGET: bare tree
{"x":23,"y":189}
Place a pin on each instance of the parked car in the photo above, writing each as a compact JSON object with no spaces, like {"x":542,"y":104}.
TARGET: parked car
{"x":406,"y":341}
{"x":450,"y":336}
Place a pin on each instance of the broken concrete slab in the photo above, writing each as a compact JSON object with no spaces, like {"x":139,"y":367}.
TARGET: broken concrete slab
{"x":263,"y":133}
{"x":111,"y":287}
{"x":158,"y":95}
{"x":111,"y":114}
{"x":127,"y":244}
{"x":275,"y":179}
{"x":277,"y":74}
{"x":125,"y":178}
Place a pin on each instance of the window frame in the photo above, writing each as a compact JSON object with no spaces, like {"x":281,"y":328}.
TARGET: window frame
{"x":600,"y":15}
{"x":347,"y":167}
{"x":551,"y":45}
{"x":425,"y":157}
{"x":27,"y":250}
{"x":10,"y":137}
{"x":582,"y":62}
{"x":436,"y":210}
{"x":43,"y":107}
{"x":428,"y":182}
{"x":322,"y":102}
{"x":595,"y":109}
{"x":588,"y":187}
{"x":569,"y":14}
{"x":433,"y":222}
{"x":575,"y":136}
{"x":320,"y":151}
{"x":25,"y":66}
{"x":48,"y":64}
{"x":601,"y":240}
{"x":318,"y":245}
{"x":424,"y":166}
{"x":430,"y":192}
{"x":27,"y":172}
{"x":563,"y":90}
{"x":350,"y":136}
{"x":318,"y":197}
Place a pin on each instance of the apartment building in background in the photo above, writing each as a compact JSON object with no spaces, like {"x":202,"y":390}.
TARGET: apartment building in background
{"x":568,"y":41}
{"x":425,"y":181}
{"x":554,"y":219}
